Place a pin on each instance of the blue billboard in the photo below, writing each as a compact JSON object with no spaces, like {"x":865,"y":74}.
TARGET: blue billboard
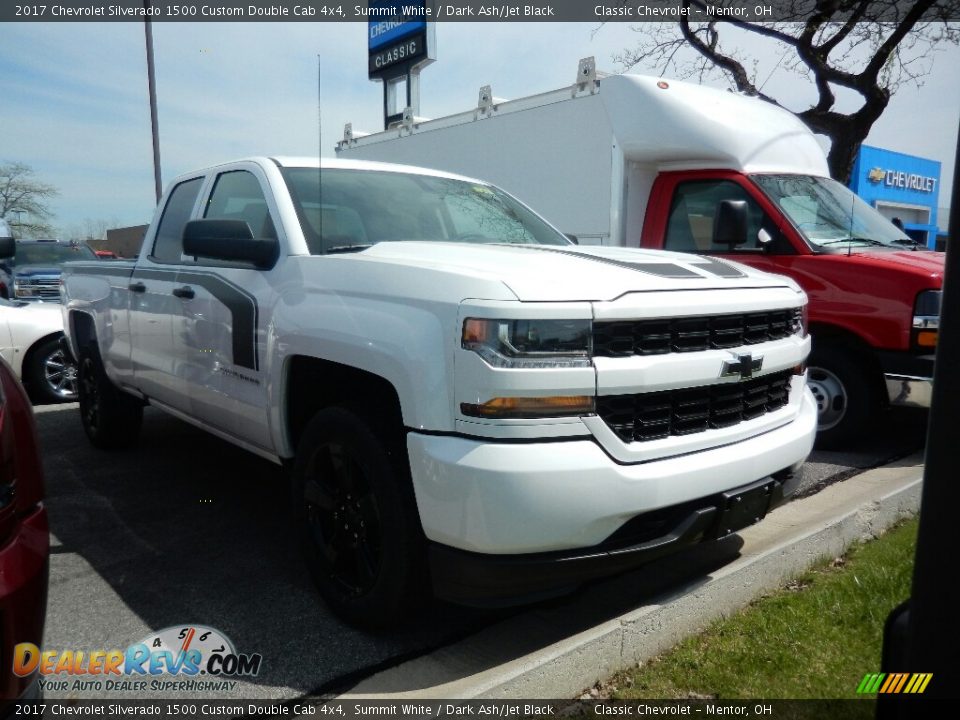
{"x":389,"y":27}
{"x":399,"y":37}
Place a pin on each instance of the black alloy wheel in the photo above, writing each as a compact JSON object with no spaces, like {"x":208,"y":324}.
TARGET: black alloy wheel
{"x":343,"y":517}
{"x":357,"y":519}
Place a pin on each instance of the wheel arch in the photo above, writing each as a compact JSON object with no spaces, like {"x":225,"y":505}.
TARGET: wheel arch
{"x":312,"y":384}
{"x":32,"y":350}
{"x":852,"y":344}
{"x":82,"y":330}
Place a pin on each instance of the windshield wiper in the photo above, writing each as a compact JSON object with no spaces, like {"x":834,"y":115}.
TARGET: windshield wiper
{"x":345,"y":248}
{"x":867,"y":241}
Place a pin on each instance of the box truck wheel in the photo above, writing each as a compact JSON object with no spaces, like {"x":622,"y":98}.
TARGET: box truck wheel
{"x":846,"y":403}
{"x":111,"y":418}
{"x":357,"y":520}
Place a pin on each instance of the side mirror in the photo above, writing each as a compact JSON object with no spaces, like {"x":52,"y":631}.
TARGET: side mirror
{"x":8,"y":247}
{"x":730,"y":223}
{"x":572,"y":238}
{"x":229,"y":240}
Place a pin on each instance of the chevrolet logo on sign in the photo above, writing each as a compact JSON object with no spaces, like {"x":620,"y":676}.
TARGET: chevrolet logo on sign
{"x":876,"y":175}
{"x":744,"y":366}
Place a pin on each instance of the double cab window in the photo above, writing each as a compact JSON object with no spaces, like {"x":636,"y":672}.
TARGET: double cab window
{"x":236,"y":195}
{"x":168,"y":244}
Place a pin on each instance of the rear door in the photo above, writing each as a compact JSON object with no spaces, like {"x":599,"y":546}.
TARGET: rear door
{"x":153,"y":306}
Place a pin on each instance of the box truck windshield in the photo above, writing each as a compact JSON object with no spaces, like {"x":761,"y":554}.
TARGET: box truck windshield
{"x":828,"y":214}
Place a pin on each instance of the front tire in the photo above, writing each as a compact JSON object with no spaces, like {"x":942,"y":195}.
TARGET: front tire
{"x":50,"y":375}
{"x":111,"y":418}
{"x":357,"y":520}
{"x":846,"y":403}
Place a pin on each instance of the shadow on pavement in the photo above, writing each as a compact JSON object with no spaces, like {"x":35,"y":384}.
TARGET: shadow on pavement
{"x":185,"y":528}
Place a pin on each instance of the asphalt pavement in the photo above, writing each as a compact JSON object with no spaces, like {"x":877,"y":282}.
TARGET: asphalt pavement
{"x":186,"y":529}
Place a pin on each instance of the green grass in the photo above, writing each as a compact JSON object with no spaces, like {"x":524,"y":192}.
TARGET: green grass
{"x":816,"y":638}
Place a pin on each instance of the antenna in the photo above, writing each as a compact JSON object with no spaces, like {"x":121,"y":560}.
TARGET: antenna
{"x":320,"y":144}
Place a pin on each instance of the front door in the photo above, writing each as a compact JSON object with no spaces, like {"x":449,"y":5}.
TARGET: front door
{"x":220,"y":334}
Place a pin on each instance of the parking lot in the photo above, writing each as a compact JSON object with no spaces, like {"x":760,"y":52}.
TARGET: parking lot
{"x":186,"y":529}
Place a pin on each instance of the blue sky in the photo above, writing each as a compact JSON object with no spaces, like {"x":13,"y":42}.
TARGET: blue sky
{"x":73,"y":96}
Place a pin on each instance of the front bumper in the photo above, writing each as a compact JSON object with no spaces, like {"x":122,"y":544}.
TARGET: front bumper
{"x":500,"y":500}
{"x":909,"y":378}
{"x":497,"y":580}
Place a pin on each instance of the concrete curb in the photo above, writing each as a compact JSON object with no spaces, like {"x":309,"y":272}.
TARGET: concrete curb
{"x":557,"y":651}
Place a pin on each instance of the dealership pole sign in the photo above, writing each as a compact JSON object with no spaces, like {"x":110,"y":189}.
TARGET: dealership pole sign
{"x":400,"y":43}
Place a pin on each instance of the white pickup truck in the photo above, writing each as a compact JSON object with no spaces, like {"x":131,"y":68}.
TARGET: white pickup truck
{"x":467,"y":399}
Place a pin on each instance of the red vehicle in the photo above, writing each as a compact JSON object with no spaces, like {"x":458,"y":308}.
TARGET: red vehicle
{"x":24,"y":537}
{"x":874,"y":295}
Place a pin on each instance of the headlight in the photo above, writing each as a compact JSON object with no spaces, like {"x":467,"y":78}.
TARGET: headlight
{"x":22,"y":290}
{"x":800,"y":321}
{"x":926,"y":319}
{"x":529,"y":343}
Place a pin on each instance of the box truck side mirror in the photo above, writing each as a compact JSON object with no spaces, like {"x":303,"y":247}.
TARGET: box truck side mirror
{"x":8,"y":247}
{"x":730,"y":223}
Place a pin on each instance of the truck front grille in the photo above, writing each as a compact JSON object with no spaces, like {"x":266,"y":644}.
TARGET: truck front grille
{"x":655,"y":337}
{"x":655,"y":415}
{"x":42,"y":287}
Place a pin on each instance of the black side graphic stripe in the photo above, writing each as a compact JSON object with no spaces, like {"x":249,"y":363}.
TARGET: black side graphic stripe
{"x":244,"y":311}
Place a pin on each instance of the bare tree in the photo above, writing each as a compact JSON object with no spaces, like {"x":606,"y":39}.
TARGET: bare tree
{"x":23,"y":200}
{"x":847,"y":47}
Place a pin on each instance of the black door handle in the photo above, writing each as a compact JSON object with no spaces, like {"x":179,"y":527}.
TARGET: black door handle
{"x":137,"y":287}
{"x":184,"y":293}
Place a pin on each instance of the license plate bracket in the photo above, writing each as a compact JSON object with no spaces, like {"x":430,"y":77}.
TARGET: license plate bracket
{"x":745,"y":506}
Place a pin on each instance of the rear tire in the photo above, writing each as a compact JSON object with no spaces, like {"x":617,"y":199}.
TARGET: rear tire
{"x":357,"y":521}
{"x":846,"y":403}
{"x":111,"y":418}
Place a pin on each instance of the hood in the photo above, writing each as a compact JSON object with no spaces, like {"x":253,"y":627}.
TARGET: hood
{"x":39,"y":315}
{"x":922,"y":263}
{"x":571,"y":272}
{"x":33,"y":270}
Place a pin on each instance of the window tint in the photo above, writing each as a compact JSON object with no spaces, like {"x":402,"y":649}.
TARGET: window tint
{"x":168,"y":244}
{"x":237,"y":196}
{"x":690,"y":225}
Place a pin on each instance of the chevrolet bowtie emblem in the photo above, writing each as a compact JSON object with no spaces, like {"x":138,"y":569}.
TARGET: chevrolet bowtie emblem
{"x":744,"y":366}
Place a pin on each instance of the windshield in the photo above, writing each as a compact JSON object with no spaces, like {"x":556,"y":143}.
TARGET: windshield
{"x":50,"y":253}
{"x":359,"y":208}
{"x":830,"y":215}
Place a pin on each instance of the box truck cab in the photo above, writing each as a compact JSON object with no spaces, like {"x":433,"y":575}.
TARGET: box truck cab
{"x":641,"y":161}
